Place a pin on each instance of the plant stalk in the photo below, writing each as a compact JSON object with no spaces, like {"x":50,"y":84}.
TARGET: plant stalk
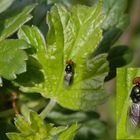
{"x":47,"y":109}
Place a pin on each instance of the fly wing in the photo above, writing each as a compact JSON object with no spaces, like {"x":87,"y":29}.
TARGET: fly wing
{"x":67,"y":79}
{"x":134,"y":110}
{"x":133,"y":117}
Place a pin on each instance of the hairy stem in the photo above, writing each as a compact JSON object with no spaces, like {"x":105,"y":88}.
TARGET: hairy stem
{"x":47,"y":109}
{"x":14,"y":97}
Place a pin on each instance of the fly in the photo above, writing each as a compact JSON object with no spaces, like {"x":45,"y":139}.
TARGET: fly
{"x":134,"y":108}
{"x":69,"y":70}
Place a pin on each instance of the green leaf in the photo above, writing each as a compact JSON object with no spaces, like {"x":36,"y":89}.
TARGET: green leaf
{"x":25,"y":111}
{"x":118,"y":56}
{"x":36,"y":129}
{"x":4,"y":4}
{"x":39,"y":15}
{"x":12,"y":20}
{"x":124,"y":87}
{"x":57,"y":130}
{"x":33,"y":74}
{"x":92,"y":129}
{"x":34,"y":37}
{"x":12,"y":58}
{"x":23,"y":125}
{"x":32,"y":101}
{"x":72,"y":35}
{"x":109,"y":38}
{"x":115,"y":14}
{"x":69,"y":133}
{"x":63,"y":119}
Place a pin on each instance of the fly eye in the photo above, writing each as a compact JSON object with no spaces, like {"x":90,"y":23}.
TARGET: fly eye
{"x":136,"y":90}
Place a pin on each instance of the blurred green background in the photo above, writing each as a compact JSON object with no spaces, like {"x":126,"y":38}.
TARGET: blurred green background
{"x":92,"y":130}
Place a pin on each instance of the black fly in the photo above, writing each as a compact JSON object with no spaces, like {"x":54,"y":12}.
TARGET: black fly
{"x":134,"y":108}
{"x":68,"y":72}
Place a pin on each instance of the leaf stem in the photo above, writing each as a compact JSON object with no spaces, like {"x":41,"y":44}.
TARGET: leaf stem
{"x":47,"y":109}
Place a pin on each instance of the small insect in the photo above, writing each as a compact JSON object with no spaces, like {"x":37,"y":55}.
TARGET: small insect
{"x":134,"y":108}
{"x":69,"y":70}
